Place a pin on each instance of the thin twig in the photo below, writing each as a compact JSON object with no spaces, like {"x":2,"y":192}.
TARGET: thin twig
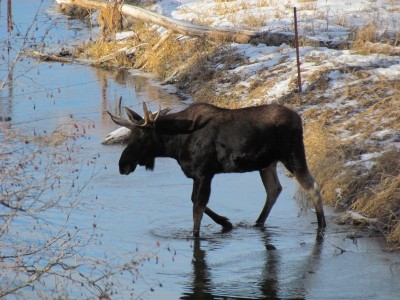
{"x":24,"y":39}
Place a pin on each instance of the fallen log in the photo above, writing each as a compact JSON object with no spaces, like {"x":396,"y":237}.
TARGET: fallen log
{"x":227,"y":34}
{"x":56,"y":57}
{"x":118,"y":136}
{"x":356,"y":219}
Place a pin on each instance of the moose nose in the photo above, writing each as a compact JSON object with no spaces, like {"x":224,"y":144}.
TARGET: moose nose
{"x":126,"y":169}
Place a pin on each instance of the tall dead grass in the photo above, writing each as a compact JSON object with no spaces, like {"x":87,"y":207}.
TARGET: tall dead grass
{"x":381,"y":194}
{"x":325,"y":159}
{"x":373,"y":192}
{"x":75,"y":11}
{"x":174,"y":55}
{"x":349,"y":181}
{"x":110,"y":21}
{"x":102,"y":48}
{"x":368,"y":40}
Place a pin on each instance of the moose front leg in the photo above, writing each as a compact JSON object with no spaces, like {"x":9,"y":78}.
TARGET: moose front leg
{"x":200,"y":196}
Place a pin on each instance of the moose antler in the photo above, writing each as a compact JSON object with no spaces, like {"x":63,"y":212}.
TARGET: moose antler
{"x":148,"y":117}
{"x":123,"y":122}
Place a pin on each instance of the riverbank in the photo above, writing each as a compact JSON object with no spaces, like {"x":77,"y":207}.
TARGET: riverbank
{"x":350,"y":96}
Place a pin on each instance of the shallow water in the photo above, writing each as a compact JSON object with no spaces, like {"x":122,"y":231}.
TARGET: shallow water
{"x":150,"y":212}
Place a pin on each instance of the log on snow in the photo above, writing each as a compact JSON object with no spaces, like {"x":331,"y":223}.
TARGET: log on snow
{"x":185,"y":28}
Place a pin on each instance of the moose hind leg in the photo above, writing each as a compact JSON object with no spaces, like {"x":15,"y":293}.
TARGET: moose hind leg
{"x":311,"y":187}
{"x":273,"y":187}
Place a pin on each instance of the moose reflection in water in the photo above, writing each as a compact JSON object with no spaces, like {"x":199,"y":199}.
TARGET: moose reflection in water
{"x":206,"y":140}
{"x":273,"y":282}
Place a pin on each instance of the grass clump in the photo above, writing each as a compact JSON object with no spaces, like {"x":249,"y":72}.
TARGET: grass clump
{"x":381,"y":193}
{"x":205,"y":75}
{"x":368,"y":40}
{"x":174,"y":56}
{"x":76,"y":12}
{"x":102,"y":48}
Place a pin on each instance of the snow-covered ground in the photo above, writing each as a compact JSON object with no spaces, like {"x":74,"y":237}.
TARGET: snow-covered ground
{"x":321,"y":19}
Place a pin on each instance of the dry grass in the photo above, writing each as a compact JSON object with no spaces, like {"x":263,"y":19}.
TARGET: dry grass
{"x":367,"y":33}
{"x":367,"y":41}
{"x":201,"y":77}
{"x":102,"y":48}
{"x":144,"y":38}
{"x":394,"y":234}
{"x":381,"y":193}
{"x":225,"y":8}
{"x":171,"y":55}
{"x":254,"y":21}
{"x":339,"y":137}
{"x":75,"y":11}
{"x":110,"y":21}
{"x":232,"y":11}
{"x":372,"y":190}
{"x":267,"y":3}
{"x":308,"y":6}
{"x":325,"y":159}
{"x":378,"y":109}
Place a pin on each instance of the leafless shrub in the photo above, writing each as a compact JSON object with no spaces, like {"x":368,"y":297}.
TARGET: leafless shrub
{"x":42,"y":182}
{"x":42,"y":247}
{"x":37,"y":181}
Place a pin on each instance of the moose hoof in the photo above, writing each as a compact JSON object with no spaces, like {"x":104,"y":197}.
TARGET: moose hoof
{"x":227,"y":225}
{"x":258,"y":225}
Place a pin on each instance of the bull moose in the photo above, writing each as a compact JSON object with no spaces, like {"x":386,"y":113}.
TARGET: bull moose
{"x":206,"y":140}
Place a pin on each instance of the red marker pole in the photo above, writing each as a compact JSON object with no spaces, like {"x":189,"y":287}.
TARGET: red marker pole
{"x":296,"y":38}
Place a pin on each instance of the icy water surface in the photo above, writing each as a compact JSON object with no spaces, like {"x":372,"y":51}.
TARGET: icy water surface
{"x":150,"y":212}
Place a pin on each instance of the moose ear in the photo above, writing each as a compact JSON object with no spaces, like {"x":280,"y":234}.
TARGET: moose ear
{"x":134,"y":117}
{"x":164,"y":111}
